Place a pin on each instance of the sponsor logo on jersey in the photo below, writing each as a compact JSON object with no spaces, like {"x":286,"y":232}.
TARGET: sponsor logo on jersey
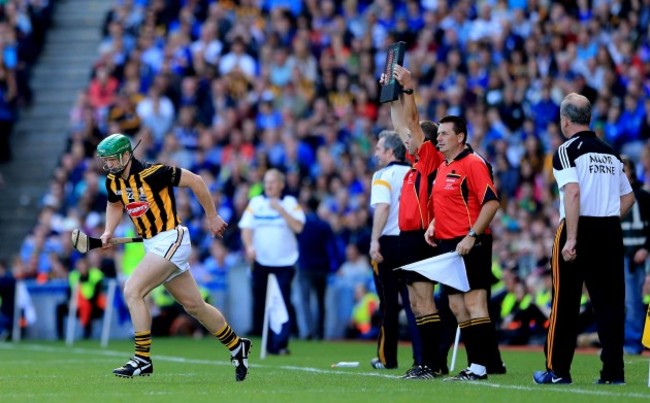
{"x":136,"y":209}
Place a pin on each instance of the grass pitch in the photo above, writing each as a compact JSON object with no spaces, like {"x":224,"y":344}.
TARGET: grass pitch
{"x":188,"y":371}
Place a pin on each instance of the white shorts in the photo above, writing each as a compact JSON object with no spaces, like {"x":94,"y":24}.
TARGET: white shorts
{"x":173,"y":245}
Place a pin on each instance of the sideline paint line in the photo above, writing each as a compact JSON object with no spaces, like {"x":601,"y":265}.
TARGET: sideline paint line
{"x":489,"y":384}
{"x":111,"y":353}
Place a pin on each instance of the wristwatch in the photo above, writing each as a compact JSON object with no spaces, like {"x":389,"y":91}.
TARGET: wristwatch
{"x":472,"y":233}
{"x":408,"y":91}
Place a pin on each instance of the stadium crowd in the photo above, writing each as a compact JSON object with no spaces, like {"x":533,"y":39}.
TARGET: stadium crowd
{"x":229,"y":89}
{"x":23,"y":28}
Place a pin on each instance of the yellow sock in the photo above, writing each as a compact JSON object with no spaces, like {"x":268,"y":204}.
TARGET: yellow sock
{"x":143,"y":344}
{"x":228,"y":337}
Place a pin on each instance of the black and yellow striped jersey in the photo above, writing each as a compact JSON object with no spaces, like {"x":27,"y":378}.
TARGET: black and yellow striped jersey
{"x":148,"y":196}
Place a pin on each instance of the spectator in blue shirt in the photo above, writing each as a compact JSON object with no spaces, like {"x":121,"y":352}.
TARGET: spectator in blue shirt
{"x":318,"y":258}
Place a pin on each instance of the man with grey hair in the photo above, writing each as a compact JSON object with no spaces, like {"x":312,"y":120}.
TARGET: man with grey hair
{"x":588,"y":246}
{"x":384,"y":244}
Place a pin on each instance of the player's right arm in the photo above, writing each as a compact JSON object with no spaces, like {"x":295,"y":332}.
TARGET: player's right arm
{"x":572,"y":214}
{"x":113,"y":218}
{"x":566,"y":175}
{"x":430,"y":232}
{"x":397,"y":117}
{"x":397,"y":113}
{"x":379,"y":219}
{"x":410,"y":114}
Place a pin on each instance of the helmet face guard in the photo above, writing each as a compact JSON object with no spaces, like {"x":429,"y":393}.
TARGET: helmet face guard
{"x":111,"y":150}
{"x":116,"y":167}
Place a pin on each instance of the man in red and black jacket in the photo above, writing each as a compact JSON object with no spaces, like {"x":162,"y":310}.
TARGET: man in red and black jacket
{"x":464,"y":204}
{"x":413,"y":219}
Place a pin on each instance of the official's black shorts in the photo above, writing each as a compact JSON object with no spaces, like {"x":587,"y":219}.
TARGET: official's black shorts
{"x":478,"y":262}
{"x":414,"y":248}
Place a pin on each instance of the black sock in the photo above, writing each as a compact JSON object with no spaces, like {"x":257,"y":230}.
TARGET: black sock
{"x":429,"y":329}
{"x":487,"y":347}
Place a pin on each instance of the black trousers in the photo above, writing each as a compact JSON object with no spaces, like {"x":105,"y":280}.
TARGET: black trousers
{"x":310,"y":281}
{"x":599,"y":265}
{"x":259,"y":281}
{"x":390,"y":286}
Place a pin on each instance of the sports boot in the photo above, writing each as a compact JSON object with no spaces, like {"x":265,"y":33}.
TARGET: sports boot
{"x":240,"y":360}
{"x":136,"y":366}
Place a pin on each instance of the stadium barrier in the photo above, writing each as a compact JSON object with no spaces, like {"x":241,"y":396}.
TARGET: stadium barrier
{"x":36,"y":303}
{"x":35,"y":313}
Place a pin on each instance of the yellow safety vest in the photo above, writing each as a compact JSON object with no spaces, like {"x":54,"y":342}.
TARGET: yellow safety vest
{"x":87,"y":287}
{"x":510,"y":302}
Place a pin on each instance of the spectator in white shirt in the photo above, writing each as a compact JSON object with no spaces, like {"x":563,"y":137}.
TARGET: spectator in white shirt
{"x":268,"y":230}
{"x":237,"y":58}
{"x":157,"y":113}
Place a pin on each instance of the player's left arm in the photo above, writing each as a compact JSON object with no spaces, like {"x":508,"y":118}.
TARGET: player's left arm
{"x":626,"y":192}
{"x":485,"y":216}
{"x":481,"y":186}
{"x":627,"y":201}
{"x":200,"y":189}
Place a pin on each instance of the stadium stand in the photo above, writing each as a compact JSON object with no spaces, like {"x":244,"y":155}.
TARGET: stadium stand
{"x":229,"y":89}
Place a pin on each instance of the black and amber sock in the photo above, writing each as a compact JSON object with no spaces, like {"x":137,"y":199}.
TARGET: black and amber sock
{"x":429,"y":329}
{"x":487,"y":343}
{"x":229,"y":338}
{"x":143,"y":345}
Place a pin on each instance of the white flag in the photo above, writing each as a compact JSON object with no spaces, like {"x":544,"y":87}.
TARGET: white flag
{"x":25,"y":303}
{"x":275,"y":305}
{"x":447,"y":269}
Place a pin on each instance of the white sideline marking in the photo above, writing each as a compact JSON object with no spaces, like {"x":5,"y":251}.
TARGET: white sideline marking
{"x":489,"y":384}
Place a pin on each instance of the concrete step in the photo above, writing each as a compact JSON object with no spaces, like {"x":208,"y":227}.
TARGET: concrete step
{"x":79,"y":34}
{"x":61,"y":70}
{"x":32,"y":192}
{"x":45,"y":137}
{"x":49,"y":97}
{"x":48,"y":111}
{"x":22,"y":203}
{"x":17,"y":230}
{"x":80,"y":10}
{"x":38,"y":158}
{"x":88,"y":23}
{"x":47,"y":154}
{"x":37,"y":139}
{"x":33,"y":175}
{"x":42,"y":146}
{"x":86,"y":59}
{"x":73,"y":47}
{"x":50,"y":83}
{"x":37,"y":125}
{"x":43,"y":156}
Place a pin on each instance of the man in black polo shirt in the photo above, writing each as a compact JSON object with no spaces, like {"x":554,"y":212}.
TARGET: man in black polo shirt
{"x":588,"y":246}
